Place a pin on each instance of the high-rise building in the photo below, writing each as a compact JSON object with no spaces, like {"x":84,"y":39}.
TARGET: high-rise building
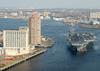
{"x":34,"y":24}
{"x":16,"y":42}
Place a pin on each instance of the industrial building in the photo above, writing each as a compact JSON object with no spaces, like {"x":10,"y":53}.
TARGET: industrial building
{"x":94,"y":23}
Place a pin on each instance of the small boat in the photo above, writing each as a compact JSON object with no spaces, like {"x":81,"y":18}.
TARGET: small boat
{"x":53,"y":52}
{"x":46,"y":24}
{"x":9,"y":58}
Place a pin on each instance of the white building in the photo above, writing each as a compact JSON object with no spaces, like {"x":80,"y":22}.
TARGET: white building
{"x":16,"y":42}
{"x":94,"y":23}
{"x":1,"y":33}
{"x":14,"y":14}
{"x":47,"y":17}
{"x":41,"y":17}
{"x":58,"y":19}
{"x":95,"y":15}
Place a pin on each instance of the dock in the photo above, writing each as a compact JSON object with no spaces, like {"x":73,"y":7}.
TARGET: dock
{"x":23,"y":60}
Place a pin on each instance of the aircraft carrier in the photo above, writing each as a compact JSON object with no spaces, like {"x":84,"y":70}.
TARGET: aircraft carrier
{"x":79,"y":40}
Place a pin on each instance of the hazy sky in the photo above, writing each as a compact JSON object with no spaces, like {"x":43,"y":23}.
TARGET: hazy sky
{"x":51,"y":3}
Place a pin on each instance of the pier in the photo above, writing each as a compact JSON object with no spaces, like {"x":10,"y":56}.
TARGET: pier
{"x":22,"y":60}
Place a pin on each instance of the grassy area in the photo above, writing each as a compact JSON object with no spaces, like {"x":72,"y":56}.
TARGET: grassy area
{"x":47,"y":42}
{"x":18,"y":58}
{"x":8,"y":62}
{"x":89,"y":26}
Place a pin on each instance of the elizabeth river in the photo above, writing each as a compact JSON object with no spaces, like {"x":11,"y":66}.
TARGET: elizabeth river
{"x":62,"y":59}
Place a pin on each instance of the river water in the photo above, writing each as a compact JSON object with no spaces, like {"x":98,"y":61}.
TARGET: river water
{"x":62,"y":59}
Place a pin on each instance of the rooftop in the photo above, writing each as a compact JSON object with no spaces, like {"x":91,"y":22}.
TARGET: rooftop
{"x":24,"y":26}
{"x":11,"y":29}
{"x":17,"y":29}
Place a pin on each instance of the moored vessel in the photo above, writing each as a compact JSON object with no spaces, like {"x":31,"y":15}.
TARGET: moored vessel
{"x":79,"y":40}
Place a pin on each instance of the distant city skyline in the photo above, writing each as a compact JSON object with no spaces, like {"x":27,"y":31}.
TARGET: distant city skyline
{"x":51,"y":3}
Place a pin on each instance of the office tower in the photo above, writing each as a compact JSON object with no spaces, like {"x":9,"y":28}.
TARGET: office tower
{"x":34,"y":24}
{"x":16,"y":42}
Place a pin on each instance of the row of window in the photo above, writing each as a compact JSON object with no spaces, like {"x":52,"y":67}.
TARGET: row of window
{"x":14,"y":40}
{"x":2,"y":51}
{"x":9,"y":32}
{"x":15,"y":48}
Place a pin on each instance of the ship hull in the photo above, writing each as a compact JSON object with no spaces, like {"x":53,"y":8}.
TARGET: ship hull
{"x":79,"y":49}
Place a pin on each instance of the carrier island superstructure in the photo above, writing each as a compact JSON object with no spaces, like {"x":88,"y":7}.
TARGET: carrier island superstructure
{"x":79,"y":40}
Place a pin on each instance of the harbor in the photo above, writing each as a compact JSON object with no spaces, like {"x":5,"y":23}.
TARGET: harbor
{"x":59,"y":58}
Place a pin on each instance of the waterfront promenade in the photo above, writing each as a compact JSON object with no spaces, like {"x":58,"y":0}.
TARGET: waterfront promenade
{"x":21,"y":59}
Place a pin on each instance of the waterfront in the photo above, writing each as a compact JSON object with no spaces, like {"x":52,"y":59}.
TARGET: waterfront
{"x":20,"y":59}
{"x":62,"y":59}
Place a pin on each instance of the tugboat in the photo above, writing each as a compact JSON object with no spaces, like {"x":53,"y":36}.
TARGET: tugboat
{"x":79,"y":40}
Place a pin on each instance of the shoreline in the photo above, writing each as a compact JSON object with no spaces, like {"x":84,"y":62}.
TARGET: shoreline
{"x":22,"y":19}
{"x":86,"y":26}
{"x":50,"y":44}
{"x":89,"y":26}
{"x":5,"y":67}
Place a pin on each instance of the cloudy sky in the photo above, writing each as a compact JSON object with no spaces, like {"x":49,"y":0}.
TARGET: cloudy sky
{"x":51,"y":3}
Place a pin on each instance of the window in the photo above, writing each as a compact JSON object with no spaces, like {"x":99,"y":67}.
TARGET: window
{"x":24,"y":49}
{"x":6,"y":33}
